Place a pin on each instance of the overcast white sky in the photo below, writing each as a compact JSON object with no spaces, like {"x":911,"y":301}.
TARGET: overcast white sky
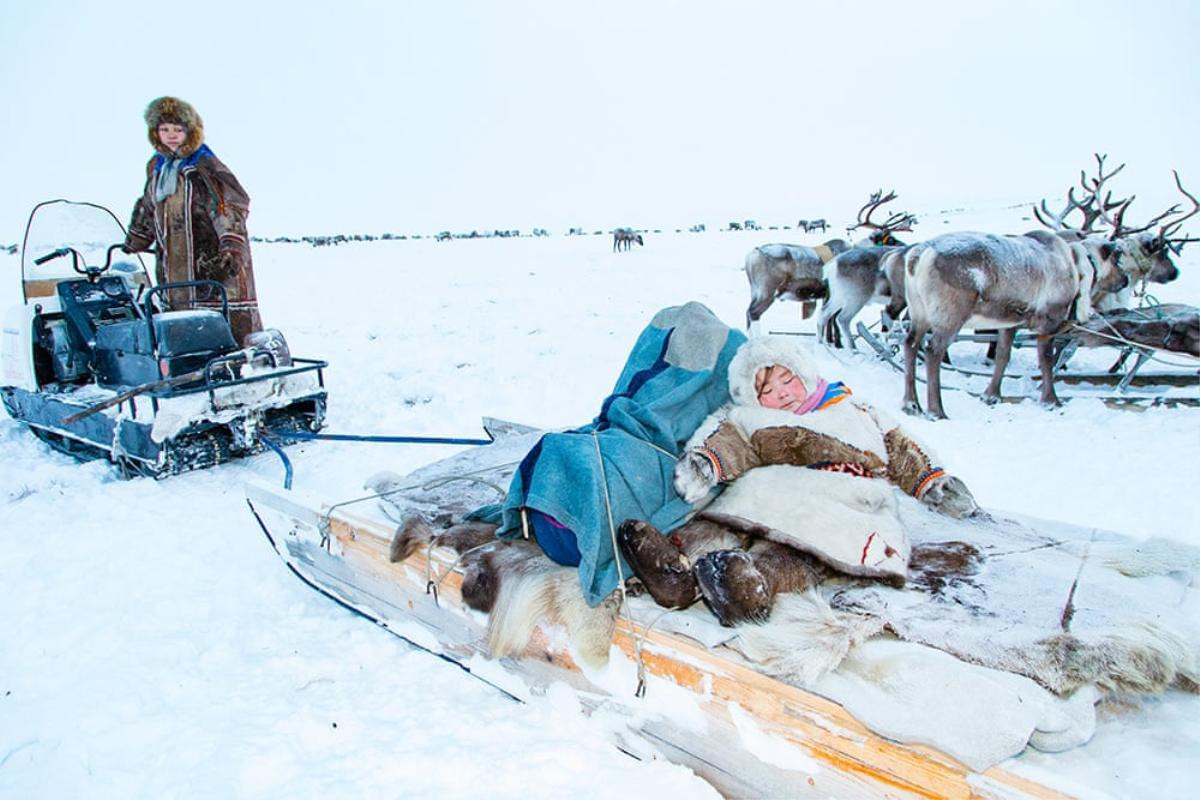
{"x":411,"y":117}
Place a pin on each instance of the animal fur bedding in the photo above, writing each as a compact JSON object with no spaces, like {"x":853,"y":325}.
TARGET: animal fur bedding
{"x":1005,"y":633}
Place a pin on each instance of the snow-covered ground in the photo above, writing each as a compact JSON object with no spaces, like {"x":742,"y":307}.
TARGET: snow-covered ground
{"x":153,"y":645}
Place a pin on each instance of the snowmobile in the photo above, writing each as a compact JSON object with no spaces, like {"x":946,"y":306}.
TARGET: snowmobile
{"x":98,"y":365}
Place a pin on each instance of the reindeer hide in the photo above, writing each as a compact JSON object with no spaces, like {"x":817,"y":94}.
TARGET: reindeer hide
{"x":1062,"y":605}
{"x":1032,"y":618}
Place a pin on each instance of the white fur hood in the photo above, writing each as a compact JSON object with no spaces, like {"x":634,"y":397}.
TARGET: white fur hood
{"x":764,"y":351}
{"x":856,"y":424}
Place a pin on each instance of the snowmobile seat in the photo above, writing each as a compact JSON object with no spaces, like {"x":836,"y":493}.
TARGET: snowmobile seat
{"x":198,"y":330}
{"x":186,"y":340}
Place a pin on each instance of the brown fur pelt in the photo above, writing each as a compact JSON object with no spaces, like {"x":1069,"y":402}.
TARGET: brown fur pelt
{"x":518,"y":587}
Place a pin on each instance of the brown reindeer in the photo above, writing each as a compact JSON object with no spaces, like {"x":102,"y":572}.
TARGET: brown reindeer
{"x":788,"y":272}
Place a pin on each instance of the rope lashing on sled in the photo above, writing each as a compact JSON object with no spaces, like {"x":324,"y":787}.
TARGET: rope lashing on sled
{"x":324,"y":521}
{"x":430,"y":484}
{"x":431,"y":586}
{"x":1068,"y":612}
{"x":306,"y":580}
{"x":640,"y":691}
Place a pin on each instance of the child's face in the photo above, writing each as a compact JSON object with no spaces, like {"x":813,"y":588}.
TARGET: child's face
{"x":779,"y":388}
{"x":171,"y":135}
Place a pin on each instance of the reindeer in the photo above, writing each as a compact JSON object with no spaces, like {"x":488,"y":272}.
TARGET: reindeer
{"x":788,"y":272}
{"x":1038,"y":280}
{"x":809,"y":226}
{"x":1137,"y":255}
{"x":985,"y":280}
{"x":1145,"y":256}
{"x":872,"y":270}
{"x":623,"y":238}
{"x":1104,"y":270}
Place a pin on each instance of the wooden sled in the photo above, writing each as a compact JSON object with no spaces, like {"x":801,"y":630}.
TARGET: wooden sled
{"x":813,"y":747}
{"x":1132,"y":387}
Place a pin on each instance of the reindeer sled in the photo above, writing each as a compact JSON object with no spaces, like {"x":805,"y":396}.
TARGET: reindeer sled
{"x":928,"y":691}
{"x":1138,"y":357}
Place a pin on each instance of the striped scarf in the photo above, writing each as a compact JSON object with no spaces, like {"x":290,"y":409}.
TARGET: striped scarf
{"x":824,"y":395}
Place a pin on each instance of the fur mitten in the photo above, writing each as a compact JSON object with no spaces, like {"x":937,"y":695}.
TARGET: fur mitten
{"x":695,"y":474}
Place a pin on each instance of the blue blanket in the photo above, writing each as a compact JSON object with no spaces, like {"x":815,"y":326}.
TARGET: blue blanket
{"x":675,"y":376}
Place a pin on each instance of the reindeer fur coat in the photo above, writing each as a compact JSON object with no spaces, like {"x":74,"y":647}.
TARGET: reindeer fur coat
{"x":198,"y":231}
{"x":776,"y":469}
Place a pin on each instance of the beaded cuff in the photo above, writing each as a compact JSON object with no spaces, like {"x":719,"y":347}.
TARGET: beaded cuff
{"x":925,"y":479}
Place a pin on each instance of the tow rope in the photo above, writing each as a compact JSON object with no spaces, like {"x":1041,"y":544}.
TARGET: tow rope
{"x":350,"y":437}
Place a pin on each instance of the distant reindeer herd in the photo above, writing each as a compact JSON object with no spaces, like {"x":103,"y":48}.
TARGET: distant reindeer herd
{"x":1042,"y":280}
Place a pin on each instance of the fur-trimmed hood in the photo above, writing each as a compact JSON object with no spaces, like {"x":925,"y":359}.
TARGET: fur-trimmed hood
{"x":764,"y":351}
{"x":174,"y":110}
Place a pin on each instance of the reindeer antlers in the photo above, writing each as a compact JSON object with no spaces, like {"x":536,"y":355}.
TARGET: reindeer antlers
{"x":1058,"y":221}
{"x":1094,"y":209}
{"x":1088,"y":207}
{"x":900,"y":221}
{"x":1177,"y":244}
{"x":1091,"y":212}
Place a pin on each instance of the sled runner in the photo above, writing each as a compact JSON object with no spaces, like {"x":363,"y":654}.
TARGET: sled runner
{"x":1133,"y":385}
{"x":706,"y":705}
{"x":96,"y":365}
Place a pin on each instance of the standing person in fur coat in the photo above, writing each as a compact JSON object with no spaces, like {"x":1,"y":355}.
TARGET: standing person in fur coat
{"x":192,"y":213}
{"x":810,"y":472}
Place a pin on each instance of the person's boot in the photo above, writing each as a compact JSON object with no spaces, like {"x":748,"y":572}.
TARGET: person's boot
{"x":733,"y":588}
{"x":658,"y":563}
{"x":786,"y":569}
{"x":740,"y":585}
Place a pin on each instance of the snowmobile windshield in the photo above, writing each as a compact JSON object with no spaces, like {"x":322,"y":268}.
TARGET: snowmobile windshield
{"x":80,"y":234}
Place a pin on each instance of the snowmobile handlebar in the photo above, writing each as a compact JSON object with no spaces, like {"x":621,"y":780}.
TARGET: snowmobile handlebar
{"x":59,"y":253}
{"x":77,"y":259}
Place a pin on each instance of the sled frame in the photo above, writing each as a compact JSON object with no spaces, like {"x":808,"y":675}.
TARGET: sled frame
{"x":1122,"y":383}
{"x":344,"y":554}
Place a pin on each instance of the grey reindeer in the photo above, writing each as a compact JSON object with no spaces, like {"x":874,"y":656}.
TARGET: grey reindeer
{"x":872,"y":270}
{"x":624,"y":238}
{"x":1038,"y":280}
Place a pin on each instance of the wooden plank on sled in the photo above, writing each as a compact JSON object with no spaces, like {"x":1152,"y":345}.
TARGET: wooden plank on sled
{"x":345,"y":553}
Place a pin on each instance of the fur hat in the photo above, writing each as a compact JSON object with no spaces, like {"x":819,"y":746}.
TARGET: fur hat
{"x":173,"y":110}
{"x":763,"y":351}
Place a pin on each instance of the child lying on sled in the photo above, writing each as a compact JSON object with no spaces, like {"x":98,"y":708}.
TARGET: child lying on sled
{"x":740,"y":550}
{"x":787,"y":528}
